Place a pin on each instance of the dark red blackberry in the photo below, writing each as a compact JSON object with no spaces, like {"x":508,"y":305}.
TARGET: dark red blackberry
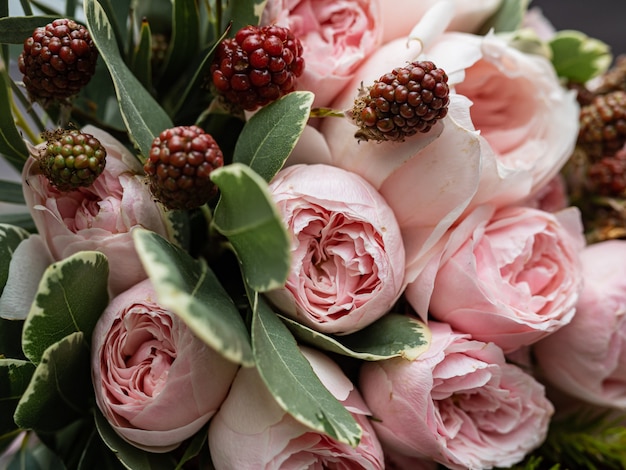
{"x":57,"y":61}
{"x":179,"y":167}
{"x":401,"y":103}
{"x":71,"y":159}
{"x":607,"y":176}
{"x":257,"y":66}
{"x":603,"y":125}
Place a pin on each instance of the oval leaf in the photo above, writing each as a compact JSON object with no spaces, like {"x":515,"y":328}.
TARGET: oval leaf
{"x":143,"y":116}
{"x":190,"y":289}
{"x":71,"y":296}
{"x":15,"y":376}
{"x":60,"y":389}
{"x":393,"y":335}
{"x":270,"y":135}
{"x":10,"y":237}
{"x":247,"y":216}
{"x":578,"y":57}
{"x":292,"y":381}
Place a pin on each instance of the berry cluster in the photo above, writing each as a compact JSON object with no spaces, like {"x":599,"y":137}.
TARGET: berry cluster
{"x":179,"y":167}
{"x":57,"y":60}
{"x":257,"y":66}
{"x":71,"y":159}
{"x":603,"y":125}
{"x":403,"y":102}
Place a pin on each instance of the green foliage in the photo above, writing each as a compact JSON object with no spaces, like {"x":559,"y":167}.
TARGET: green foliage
{"x":507,"y":18}
{"x":578,"y":57}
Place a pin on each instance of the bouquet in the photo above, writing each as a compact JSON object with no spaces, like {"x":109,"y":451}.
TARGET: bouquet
{"x":309,"y":234}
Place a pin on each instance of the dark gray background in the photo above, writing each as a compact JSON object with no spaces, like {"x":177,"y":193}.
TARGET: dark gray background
{"x":601,"y":19}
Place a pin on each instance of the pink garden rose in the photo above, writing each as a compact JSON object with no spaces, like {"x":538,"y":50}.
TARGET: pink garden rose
{"x":100,"y":217}
{"x":459,"y":404}
{"x":155,"y":382}
{"x":587,"y":357}
{"x":336,"y":37}
{"x":252,"y":431}
{"x":347,"y":255}
{"x":510,"y":276}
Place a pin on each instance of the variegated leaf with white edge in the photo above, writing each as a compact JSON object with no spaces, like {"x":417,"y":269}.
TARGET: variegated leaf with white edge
{"x":15,"y":376}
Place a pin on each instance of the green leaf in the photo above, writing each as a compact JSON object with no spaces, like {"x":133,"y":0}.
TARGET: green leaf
{"x":143,"y":116}
{"x":15,"y":376}
{"x":131,"y":457}
{"x":393,"y":335}
{"x":11,"y":191}
{"x":20,"y":219}
{"x":10,"y":237}
{"x":292,"y":381}
{"x":60,"y":389}
{"x":578,"y":57}
{"x":243,"y":13}
{"x":12,"y":146}
{"x":71,"y":296}
{"x":15,"y":29}
{"x":507,"y":18}
{"x":196,"y":444}
{"x":142,"y":58}
{"x":247,"y":216}
{"x":190,"y":289}
{"x":270,"y":135}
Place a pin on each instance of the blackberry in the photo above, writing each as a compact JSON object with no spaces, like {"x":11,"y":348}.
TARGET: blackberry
{"x":401,"y":103}
{"x":257,"y":66}
{"x":71,"y":159}
{"x":179,"y":167}
{"x":603,"y":125}
{"x":607,"y":176}
{"x":57,"y":61}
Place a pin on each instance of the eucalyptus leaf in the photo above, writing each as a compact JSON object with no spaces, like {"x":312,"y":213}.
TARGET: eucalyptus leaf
{"x":15,"y":29}
{"x":578,"y":57}
{"x":292,"y":381}
{"x":247,"y":216}
{"x":393,"y":335}
{"x":271,"y":134}
{"x":60,"y":390}
{"x":71,"y":296}
{"x":11,"y":191}
{"x":143,"y":116}
{"x":15,"y":376}
{"x":10,"y":237}
{"x":508,"y":17}
{"x":243,"y":13}
{"x":12,"y":145}
{"x":131,"y":457}
{"x":190,"y":289}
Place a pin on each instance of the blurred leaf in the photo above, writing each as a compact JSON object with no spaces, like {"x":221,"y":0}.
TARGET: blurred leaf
{"x":143,"y":116}
{"x":131,"y":457}
{"x":12,"y":145}
{"x":21,"y":219}
{"x":393,"y":335}
{"x":578,"y":57}
{"x":247,"y":216}
{"x":189,"y":288}
{"x":10,"y":336}
{"x":97,"y":455}
{"x":15,"y":376}
{"x":142,"y":57}
{"x":60,"y":389}
{"x":195,"y":445}
{"x":11,"y":191}
{"x":243,"y":13}
{"x":10,"y":237}
{"x":270,"y":135}
{"x":71,"y":296}
{"x":291,"y":379}
{"x":507,"y":18}
{"x":15,"y":29}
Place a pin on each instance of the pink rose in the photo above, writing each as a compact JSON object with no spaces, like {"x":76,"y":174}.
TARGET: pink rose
{"x":399,"y":16}
{"x":347,"y":255}
{"x":336,"y":37}
{"x":510,"y":276}
{"x":100,"y":217}
{"x":156,"y":383}
{"x":459,"y":404}
{"x":587,"y":357}
{"x":252,"y":431}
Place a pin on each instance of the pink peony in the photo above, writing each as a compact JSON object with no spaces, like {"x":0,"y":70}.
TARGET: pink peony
{"x":336,"y":38}
{"x":155,"y":382}
{"x":510,"y":276}
{"x":459,"y":404}
{"x":100,"y":217}
{"x":587,"y":357}
{"x":252,"y":431}
{"x":347,"y":255}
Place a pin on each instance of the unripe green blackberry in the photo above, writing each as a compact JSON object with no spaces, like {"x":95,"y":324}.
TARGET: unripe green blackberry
{"x":71,"y":159}
{"x":257,"y":66}
{"x":179,"y":167}
{"x":603,"y":125}
{"x":401,"y":103}
{"x":57,"y":61}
